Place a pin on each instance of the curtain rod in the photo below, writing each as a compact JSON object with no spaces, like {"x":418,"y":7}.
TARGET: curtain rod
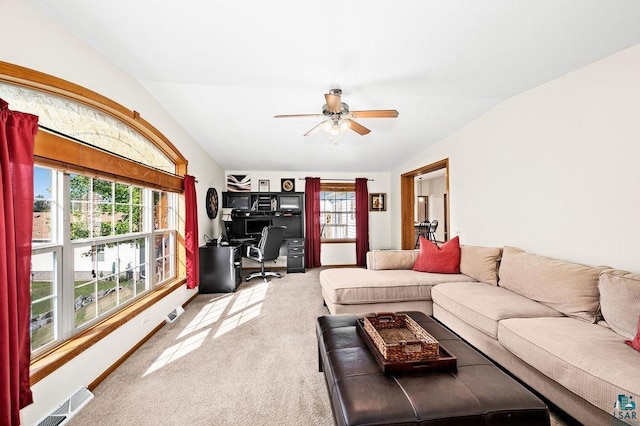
{"x":346,"y":179}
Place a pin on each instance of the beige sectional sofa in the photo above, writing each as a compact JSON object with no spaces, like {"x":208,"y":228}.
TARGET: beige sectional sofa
{"x":558,"y":326}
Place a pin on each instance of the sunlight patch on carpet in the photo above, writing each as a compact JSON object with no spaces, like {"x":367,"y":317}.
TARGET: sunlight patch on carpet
{"x":238,"y":319}
{"x":208,"y":315}
{"x":249,"y":296}
{"x":178,"y":351}
{"x":233,"y":309}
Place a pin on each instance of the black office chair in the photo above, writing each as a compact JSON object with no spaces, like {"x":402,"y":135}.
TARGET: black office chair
{"x":432,"y":231}
{"x":423,"y":230}
{"x":268,"y":248}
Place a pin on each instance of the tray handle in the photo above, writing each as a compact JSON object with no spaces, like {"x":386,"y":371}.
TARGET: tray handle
{"x":385,"y":316}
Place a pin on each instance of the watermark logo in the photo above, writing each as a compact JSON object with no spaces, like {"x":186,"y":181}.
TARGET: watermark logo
{"x":625,"y":409}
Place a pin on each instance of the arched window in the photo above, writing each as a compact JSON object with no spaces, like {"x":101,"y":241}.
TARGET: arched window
{"x":107,"y":191}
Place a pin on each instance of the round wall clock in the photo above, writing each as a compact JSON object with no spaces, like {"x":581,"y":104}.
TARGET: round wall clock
{"x":287,"y":185}
{"x":212,"y":203}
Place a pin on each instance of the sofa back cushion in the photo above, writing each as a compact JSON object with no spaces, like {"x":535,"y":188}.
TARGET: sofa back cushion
{"x":391,"y":259}
{"x":620,"y":301}
{"x":480,"y":263}
{"x":569,"y":288}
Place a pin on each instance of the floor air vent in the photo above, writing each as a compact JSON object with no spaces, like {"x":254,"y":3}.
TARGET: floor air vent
{"x":171,"y":316}
{"x":68,"y":409}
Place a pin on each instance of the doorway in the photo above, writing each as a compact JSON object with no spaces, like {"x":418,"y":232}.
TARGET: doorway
{"x":408,"y":202}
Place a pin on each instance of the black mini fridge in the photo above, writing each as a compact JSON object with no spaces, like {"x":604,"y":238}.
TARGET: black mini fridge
{"x":220,"y":269}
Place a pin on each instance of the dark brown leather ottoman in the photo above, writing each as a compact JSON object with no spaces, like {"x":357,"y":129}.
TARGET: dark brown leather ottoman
{"x":479,"y":393}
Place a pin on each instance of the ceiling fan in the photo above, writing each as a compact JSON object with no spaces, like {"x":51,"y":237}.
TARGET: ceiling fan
{"x":338,"y":117}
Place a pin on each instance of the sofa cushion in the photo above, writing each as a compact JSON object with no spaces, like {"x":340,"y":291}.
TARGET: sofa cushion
{"x":590,"y":360}
{"x":620,"y":301}
{"x":480,"y":263}
{"x":358,"y":285}
{"x":567,"y":287}
{"x":391,"y":259}
{"x":482,"y":305}
{"x":442,"y":260}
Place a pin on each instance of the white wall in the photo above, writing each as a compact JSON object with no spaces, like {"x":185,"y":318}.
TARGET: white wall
{"x":335,"y":254}
{"x":37,"y":42}
{"x":436,"y":191}
{"x":553,"y":170}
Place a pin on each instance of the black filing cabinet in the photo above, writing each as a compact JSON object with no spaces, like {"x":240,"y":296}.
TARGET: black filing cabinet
{"x":220,"y":269}
{"x":295,"y":255}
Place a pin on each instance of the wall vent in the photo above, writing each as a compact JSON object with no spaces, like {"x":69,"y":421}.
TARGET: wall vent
{"x":69,"y":408}
{"x":171,"y":316}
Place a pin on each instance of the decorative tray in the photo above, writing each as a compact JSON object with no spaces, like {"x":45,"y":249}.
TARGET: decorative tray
{"x":400,"y":345}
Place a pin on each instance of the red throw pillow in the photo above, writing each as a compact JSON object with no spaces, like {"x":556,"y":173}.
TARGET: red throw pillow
{"x":635,"y":343}
{"x":443,"y":260}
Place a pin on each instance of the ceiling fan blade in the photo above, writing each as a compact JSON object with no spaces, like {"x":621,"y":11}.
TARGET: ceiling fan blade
{"x":375,"y":113}
{"x":315,"y":130}
{"x":297,"y":115}
{"x":334,"y":104}
{"x":358,"y":128}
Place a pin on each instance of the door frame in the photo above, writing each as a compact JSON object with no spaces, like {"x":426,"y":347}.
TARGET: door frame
{"x":407,"y":200}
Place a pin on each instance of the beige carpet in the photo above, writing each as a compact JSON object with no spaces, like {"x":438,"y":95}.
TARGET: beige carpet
{"x":248,"y":357}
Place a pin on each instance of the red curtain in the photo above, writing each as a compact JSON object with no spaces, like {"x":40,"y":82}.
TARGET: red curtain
{"x":17,"y":136}
{"x":191,"y":232}
{"x":362,"y":221}
{"x":312,"y":220}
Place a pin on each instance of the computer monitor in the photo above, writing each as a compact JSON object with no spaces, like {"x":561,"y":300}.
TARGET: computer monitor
{"x":290,"y":202}
{"x":253,"y":227}
{"x":238,"y":201}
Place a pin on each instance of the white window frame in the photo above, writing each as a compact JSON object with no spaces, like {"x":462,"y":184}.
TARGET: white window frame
{"x":323,"y":213}
{"x":64,"y":248}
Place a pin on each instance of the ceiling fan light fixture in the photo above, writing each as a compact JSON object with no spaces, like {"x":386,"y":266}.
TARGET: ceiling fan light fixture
{"x":336,"y":126}
{"x":338,"y":117}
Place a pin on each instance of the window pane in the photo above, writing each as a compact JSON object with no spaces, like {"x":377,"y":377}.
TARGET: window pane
{"x":102,"y":190}
{"x":80,"y":188}
{"x":160,"y":210}
{"x":122,"y":209}
{"x":122,"y":193}
{"x":97,"y":253}
{"x":42,"y":323}
{"x":42,"y":213}
{"x":87,"y":268}
{"x":103,"y":220}
{"x":107,"y":294}
{"x":43,"y":299}
{"x":131,"y":254}
{"x":337,"y":215}
{"x":164,"y":256}
{"x":137,"y":210}
{"x":84,"y":301}
{"x":123,"y":217}
{"x":103,"y":207}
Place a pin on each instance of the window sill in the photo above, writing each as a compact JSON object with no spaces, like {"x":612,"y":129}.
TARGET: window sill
{"x":338,"y":241}
{"x":49,"y":362}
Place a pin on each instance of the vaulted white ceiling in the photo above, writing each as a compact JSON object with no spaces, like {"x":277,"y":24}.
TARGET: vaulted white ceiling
{"x":223,"y":69}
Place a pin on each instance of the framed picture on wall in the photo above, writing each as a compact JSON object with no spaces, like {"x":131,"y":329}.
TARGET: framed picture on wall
{"x":238,"y":183}
{"x":263,"y":185}
{"x":378,"y":202}
{"x":287,"y":185}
